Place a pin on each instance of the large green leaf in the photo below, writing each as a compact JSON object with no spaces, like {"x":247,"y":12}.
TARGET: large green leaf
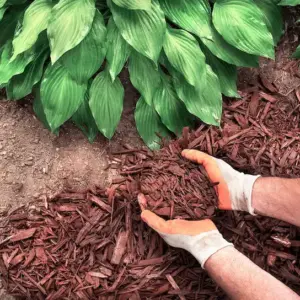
{"x":220,"y":48}
{"x":134,"y":4}
{"x":2,"y":3}
{"x":8,"y":24}
{"x":149,"y":124}
{"x":251,"y":35}
{"x":191,"y":15}
{"x":83,"y":119}
{"x":70,"y":23}
{"x":118,"y":50}
{"x":195,"y":17}
{"x":9,"y":68}
{"x":39,"y":109}
{"x":172,"y":111}
{"x":144,"y":76}
{"x":2,"y":12}
{"x":204,"y":102}
{"x":106,"y":103}
{"x":85,"y":59}
{"x":273,"y":17}
{"x":61,"y":96}
{"x":185,"y":55}
{"x":21,"y":85}
{"x":35,"y":20}
{"x":226,"y":73}
{"x":289,"y":2}
{"x":144,"y":30}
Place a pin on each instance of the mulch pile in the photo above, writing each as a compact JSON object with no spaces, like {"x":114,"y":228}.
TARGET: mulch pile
{"x":93,"y":244}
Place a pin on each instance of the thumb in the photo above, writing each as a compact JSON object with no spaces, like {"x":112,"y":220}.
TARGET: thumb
{"x":154,"y":221}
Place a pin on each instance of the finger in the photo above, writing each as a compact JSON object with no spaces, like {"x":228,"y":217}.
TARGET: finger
{"x":154,"y":221}
{"x":190,"y":227}
{"x":214,"y":173}
{"x":208,"y":162}
{"x":142,"y":201}
{"x":196,"y":156}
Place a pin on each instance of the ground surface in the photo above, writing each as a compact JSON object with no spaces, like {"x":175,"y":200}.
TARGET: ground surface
{"x":34,"y":162}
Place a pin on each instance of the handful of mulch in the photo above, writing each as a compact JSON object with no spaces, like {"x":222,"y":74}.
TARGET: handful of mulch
{"x":174,"y":187}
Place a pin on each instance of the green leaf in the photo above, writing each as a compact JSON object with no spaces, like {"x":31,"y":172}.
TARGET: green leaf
{"x":191,"y":15}
{"x":273,"y":17}
{"x":61,"y":95}
{"x":195,"y":17}
{"x":185,"y":55}
{"x":40,"y":12}
{"x":226,"y":73}
{"x":172,"y":111}
{"x":220,"y":48}
{"x":251,"y":35}
{"x":149,"y":125}
{"x":204,"y":102}
{"x":289,"y":2}
{"x":2,"y":12}
{"x":85,"y":59}
{"x":84,"y":120}
{"x":21,"y":85}
{"x":2,"y":3}
{"x":144,"y":76}
{"x":134,"y":4}
{"x":8,"y":25}
{"x":144,"y":30}
{"x":70,"y":23}
{"x":8,"y":68}
{"x":296,"y":54}
{"x":39,"y":110}
{"x":106,"y":103}
{"x":118,"y":50}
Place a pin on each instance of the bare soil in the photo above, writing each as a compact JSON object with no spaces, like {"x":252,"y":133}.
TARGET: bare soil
{"x":34,"y":162}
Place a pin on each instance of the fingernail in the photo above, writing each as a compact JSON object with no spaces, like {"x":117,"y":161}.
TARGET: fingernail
{"x":142,"y":201}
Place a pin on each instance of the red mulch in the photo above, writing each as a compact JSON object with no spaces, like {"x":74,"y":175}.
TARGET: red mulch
{"x":93,"y":244}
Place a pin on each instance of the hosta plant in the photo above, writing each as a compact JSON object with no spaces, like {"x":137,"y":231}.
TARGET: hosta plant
{"x":182,"y":55}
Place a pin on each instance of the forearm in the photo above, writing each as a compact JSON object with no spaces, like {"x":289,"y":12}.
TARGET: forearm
{"x":242,"y":279}
{"x":278,"y":198}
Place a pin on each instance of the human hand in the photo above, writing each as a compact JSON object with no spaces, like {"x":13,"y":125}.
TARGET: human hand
{"x":201,"y":238}
{"x":234,"y":188}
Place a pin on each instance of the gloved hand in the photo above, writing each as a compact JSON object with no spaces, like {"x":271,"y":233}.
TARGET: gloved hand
{"x":200,"y":238}
{"x":234,"y":189}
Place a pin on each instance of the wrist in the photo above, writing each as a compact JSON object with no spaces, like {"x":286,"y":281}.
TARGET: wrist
{"x":207,"y":244}
{"x":224,"y":256}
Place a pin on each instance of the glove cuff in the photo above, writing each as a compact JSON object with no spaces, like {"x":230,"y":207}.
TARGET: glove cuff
{"x":206,"y":244}
{"x":249,"y":181}
{"x":242,"y":198}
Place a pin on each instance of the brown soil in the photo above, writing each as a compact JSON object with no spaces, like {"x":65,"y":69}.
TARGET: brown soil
{"x":34,"y":162}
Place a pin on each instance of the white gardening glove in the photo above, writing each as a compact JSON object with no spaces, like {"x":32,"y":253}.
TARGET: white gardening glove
{"x":234,"y":188}
{"x":200,"y":238}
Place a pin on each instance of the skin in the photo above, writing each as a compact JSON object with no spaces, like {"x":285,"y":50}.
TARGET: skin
{"x":277,"y":198}
{"x":242,"y":279}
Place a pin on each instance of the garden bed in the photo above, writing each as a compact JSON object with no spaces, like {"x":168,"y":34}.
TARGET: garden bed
{"x":92,"y":244}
